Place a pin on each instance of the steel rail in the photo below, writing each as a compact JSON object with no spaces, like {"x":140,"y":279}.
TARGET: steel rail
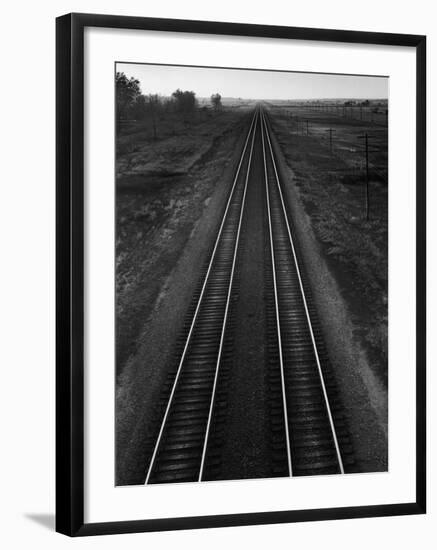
{"x":164,"y":420}
{"x":278,"y":322}
{"x":228,"y":298}
{"x":316,"y":353}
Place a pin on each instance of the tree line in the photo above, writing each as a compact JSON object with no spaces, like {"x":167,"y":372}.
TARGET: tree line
{"x":132,"y":104}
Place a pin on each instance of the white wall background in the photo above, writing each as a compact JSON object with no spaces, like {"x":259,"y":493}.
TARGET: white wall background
{"x":27,"y":125}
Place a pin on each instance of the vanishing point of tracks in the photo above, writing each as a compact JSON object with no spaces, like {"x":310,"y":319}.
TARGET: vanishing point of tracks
{"x":308,"y":435}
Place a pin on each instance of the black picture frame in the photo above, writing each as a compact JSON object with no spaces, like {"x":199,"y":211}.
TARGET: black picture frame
{"x":70,"y":273}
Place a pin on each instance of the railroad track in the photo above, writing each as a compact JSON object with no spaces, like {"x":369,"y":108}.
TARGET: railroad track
{"x":308,"y":430}
{"x":181,"y":447}
{"x":308,"y":433}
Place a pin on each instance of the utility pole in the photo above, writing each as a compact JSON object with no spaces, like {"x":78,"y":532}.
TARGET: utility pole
{"x":367,"y":178}
{"x":330,"y":140}
{"x":368,"y":150}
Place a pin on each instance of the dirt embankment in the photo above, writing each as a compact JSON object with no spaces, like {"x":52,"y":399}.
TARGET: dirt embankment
{"x":347,"y":260}
{"x":166,"y":225}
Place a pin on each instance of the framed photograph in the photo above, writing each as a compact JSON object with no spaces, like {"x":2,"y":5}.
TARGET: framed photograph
{"x":240,"y":274}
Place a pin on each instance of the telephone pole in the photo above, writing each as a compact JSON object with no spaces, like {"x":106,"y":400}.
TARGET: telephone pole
{"x":367,"y":178}
{"x":330,"y":140}
{"x":367,"y":194}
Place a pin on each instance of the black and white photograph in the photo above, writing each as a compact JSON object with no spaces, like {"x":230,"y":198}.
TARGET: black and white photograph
{"x":251,"y":274}
{"x":216,"y":275}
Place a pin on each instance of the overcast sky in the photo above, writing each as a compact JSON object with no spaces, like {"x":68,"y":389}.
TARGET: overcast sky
{"x":165,"y":79}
